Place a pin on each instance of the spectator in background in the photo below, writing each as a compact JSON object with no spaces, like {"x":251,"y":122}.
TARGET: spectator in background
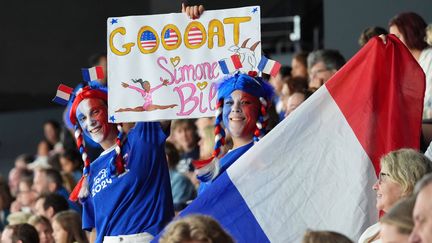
{"x":185,"y":137}
{"x":299,"y":66}
{"x":23,"y":160}
{"x":400,"y":170}
{"x":295,"y":100}
{"x":5,"y":202}
{"x":20,"y":233}
{"x":51,"y":140}
{"x":43,"y":227}
{"x":51,"y":181}
{"x":397,"y":223}
{"x":67,"y":228}
{"x":322,"y":65}
{"x":13,"y":180}
{"x":50,"y":204}
{"x":181,"y":187}
{"x":324,"y":237}
{"x":71,"y":162}
{"x":422,"y":213}
{"x":26,"y":196}
{"x":410,"y":28}
{"x":277,"y":83}
{"x":370,"y":32}
{"x":196,"y":228}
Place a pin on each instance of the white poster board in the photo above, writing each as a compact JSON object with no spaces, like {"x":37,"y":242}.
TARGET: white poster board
{"x":166,"y":66}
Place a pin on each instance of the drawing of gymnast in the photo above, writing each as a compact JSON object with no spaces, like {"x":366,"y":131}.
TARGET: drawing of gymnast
{"x":146,"y":93}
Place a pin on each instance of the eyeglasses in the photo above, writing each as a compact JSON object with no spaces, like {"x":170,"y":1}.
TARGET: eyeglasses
{"x":382,"y":177}
{"x":316,"y":72}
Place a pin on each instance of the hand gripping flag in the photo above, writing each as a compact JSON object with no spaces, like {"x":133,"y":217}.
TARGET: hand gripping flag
{"x":269,"y":66}
{"x":317,"y":167}
{"x":91,"y":74}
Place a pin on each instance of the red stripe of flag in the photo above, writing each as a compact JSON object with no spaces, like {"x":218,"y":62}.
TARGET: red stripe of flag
{"x":275,"y":69}
{"x":99,"y":72}
{"x":236,"y":61}
{"x":393,"y":120}
{"x":65,"y":88}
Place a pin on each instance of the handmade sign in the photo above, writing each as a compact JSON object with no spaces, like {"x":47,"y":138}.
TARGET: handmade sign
{"x":166,"y":66}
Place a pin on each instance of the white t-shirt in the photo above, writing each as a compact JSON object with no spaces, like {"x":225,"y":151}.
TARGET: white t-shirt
{"x":369,"y":232}
{"x":425,"y":62}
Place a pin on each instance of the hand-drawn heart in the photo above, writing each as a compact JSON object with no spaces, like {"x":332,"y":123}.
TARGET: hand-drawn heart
{"x":202,"y":85}
{"x":175,"y":61}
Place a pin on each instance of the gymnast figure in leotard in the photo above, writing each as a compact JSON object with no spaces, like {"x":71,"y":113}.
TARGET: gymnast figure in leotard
{"x":146,"y":93}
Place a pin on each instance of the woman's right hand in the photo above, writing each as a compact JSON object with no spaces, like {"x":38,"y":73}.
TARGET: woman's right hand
{"x":125,"y":85}
{"x":194,"y":12}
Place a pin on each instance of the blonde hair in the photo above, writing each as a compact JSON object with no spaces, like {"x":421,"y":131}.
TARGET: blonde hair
{"x":400,"y":215}
{"x":428,"y":37}
{"x":324,"y":237}
{"x":196,"y":227}
{"x":406,"y":167}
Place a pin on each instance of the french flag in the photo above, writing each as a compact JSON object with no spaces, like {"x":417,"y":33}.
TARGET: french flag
{"x":316,"y":168}
{"x":230,"y":65}
{"x":91,"y":74}
{"x":63,"y":94}
{"x":269,"y":66}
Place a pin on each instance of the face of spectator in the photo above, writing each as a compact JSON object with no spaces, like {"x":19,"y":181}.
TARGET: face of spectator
{"x":395,"y":31}
{"x":26,"y":195}
{"x":59,"y":234}
{"x":39,"y":209}
{"x":277,"y":83}
{"x":185,"y":136}
{"x":6,"y":236}
{"x":293,"y":102}
{"x":390,"y":234}
{"x":422,"y":215}
{"x":298,"y":69}
{"x":40,"y":183}
{"x":319,"y":74}
{"x":92,"y":117}
{"x":388,"y":191}
{"x":13,"y":180}
{"x":66,"y":165}
{"x":240,"y":113}
{"x":45,"y":233}
{"x":50,"y":134}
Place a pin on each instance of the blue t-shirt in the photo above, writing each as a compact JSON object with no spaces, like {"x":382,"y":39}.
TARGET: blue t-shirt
{"x":225,"y":162}
{"x":137,"y":201}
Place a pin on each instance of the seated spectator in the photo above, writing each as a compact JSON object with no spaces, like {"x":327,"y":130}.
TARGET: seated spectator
{"x":370,"y":32}
{"x":322,"y":65}
{"x":397,"y":223}
{"x":299,"y":65}
{"x":277,"y":83}
{"x":26,"y":196}
{"x":182,"y":188}
{"x":67,"y":228}
{"x":196,"y":228}
{"x":43,"y":227}
{"x":400,"y":170}
{"x":50,"y":204}
{"x":185,"y":137}
{"x":324,"y":237}
{"x":50,"y":181}
{"x":20,"y":233}
{"x":422,"y":213}
{"x":295,"y":99}
{"x":70,"y":161}
{"x":23,"y":160}
{"x":18,"y":218}
{"x":5,"y":203}
{"x":51,"y":140}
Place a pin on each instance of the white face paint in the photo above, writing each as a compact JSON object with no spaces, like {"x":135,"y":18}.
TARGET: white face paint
{"x":93,"y":119}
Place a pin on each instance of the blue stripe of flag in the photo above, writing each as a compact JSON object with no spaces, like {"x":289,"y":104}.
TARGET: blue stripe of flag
{"x":224,"y":67}
{"x":86,"y":74}
{"x":262,"y":63}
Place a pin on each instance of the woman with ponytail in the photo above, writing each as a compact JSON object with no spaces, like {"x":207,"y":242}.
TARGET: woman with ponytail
{"x":126,"y":191}
{"x":241,"y":110}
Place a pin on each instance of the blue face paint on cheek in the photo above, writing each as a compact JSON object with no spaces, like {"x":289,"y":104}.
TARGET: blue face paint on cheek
{"x":226,"y":110}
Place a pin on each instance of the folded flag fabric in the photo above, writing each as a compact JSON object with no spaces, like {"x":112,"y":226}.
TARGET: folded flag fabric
{"x":63,"y":94}
{"x":230,"y":65}
{"x":317,"y":167}
{"x":269,"y":66}
{"x":91,"y":74}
